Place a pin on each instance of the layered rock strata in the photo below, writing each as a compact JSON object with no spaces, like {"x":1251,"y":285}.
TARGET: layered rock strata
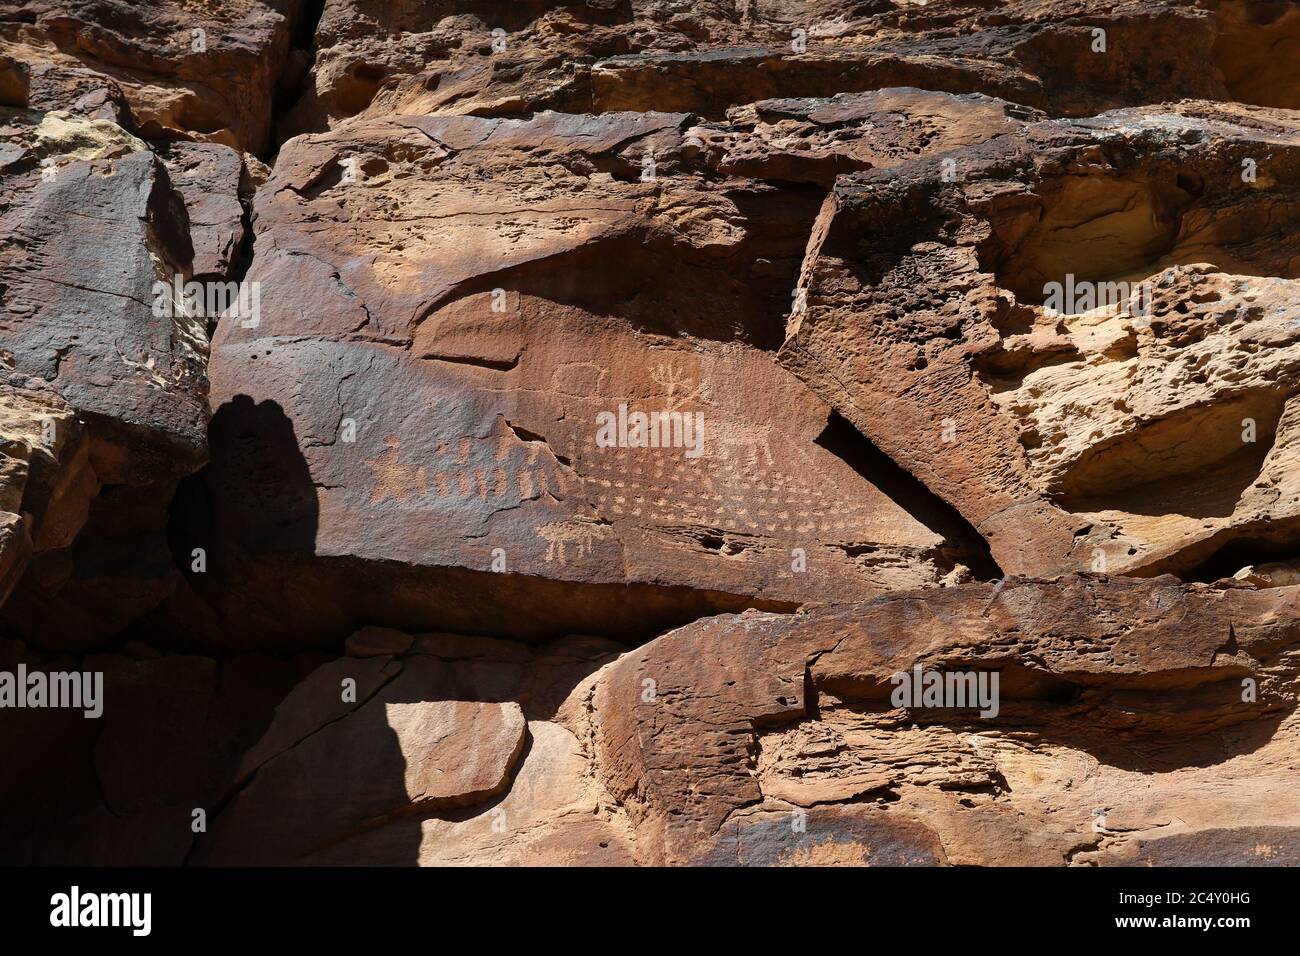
{"x":649,"y":432}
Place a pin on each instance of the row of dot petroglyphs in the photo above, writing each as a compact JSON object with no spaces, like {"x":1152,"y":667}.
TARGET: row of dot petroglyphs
{"x":735,"y":486}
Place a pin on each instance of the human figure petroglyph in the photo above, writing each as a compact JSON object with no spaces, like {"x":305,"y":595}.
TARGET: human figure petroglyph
{"x":674,"y":385}
{"x":393,"y":479}
{"x":530,"y":467}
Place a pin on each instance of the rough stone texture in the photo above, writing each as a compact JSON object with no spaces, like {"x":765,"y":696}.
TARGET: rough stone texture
{"x":89,"y":222}
{"x":77,"y":301}
{"x":172,"y":732}
{"x":416,"y":767}
{"x":1122,"y":697}
{"x":216,"y":184}
{"x":500,"y":450}
{"x":606,"y":55}
{"x":1096,"y":437}
{"x":815,"y":140}
{"x":176,"y":69}
{"x":366,"y":589}
{"x":46,"y":482}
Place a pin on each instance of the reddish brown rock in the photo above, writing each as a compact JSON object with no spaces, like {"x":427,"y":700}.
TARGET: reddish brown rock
{"x":542,"y":54}
{"x":215,"y":183}
{"x":737,"y":723}
{"x":467,"y":300}
{"x":1065,"y":57}
{"x":46,"y":482}
{"x":78,"y":307}
{"x":1093,"y":436}
{"x":319,"y":700}
{"x":826,"y":836}
{"x":172,"y":69}
{"x":821,"y":232}
{"x":816,"y":140}
{"x":464,"y":750}
{"x":95,"y":223}
{"x":1229,"y":846}
{"x":167,"y":741}
{"x":91,"y":224}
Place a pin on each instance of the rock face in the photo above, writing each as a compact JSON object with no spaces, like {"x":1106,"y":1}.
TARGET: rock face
{"x":485,"y":302}
{"x":174,"y":70}
{"x":47,"y":479}
{"x":702,"y":57}
{"x":457,"y":751}
{"x":1063,"y":429}
{"x":650,"y":432}
{"x":91,"y":226}
{"x":1105,"y":685}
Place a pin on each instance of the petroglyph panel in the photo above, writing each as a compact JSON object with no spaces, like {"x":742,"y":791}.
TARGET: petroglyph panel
{"x":483,"y":457}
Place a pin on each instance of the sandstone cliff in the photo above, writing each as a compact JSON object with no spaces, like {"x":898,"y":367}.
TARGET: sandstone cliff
{"x":557,"y":432}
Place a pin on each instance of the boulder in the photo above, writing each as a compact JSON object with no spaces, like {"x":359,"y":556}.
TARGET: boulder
{"x":1071,"y":335}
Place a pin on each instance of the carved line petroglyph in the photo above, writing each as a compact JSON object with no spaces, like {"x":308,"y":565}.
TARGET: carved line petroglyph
{"x":400,"y":481}
{"x":393,"y":479}
{"x":673,"y":382}
{"x":558,"y":535}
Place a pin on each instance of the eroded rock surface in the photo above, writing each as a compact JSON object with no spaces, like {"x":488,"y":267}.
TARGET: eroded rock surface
{"x":46,"y":481}
{"x":1119,"y":701}
{"x":458,"y":750}
{"x":1122,"y":733}
{"x":1139,"y":428}
{"x":511,"y":59}
{"x":971,"y":336}
{"x":91,"y":224}
{"x":490,"y":299}
{"x":176,"y":70}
